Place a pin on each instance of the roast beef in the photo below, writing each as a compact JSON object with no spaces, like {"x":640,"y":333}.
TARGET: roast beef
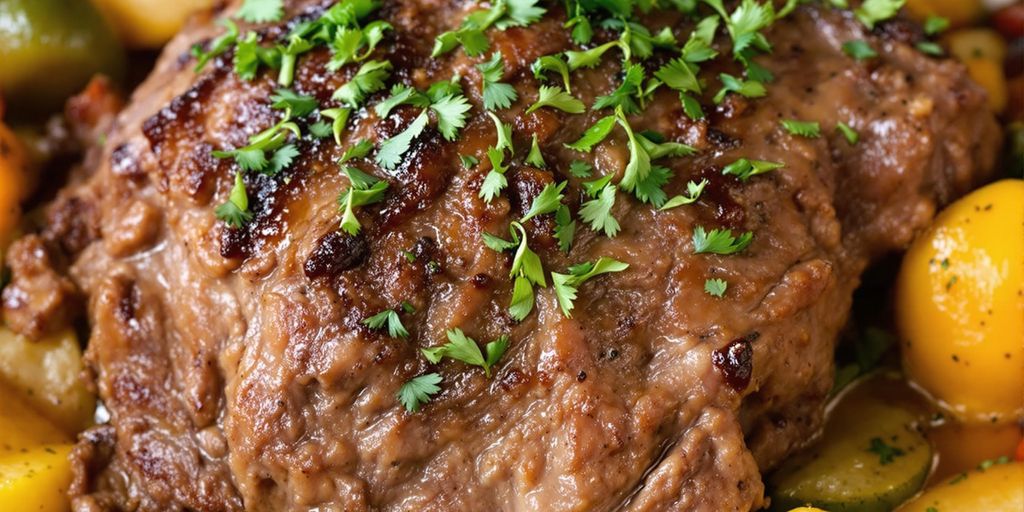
{"x":235,"y":363}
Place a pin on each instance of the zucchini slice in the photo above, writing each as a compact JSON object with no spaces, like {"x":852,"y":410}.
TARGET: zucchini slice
{"x":871,"y":458}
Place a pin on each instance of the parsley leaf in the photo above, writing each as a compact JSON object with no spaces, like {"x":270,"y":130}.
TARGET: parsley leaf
{"x":261,"y":11}
{"x":217,"y":47}
{"x":249,"y":55}
{"x":551,"y":63}
{"x":744,"y":169}
{"x":468,"y":161}
{"x":745,"y":88}
{"x":526,"y":263}
{"x":639,"y":164}
{"x":929,"y":48}
{"x":391,"y":150}
{"x":451,"y":115}
{"x":535,"y":157}
{"x":235,"y":211}
{"x":504,"y":131}
{"x":594,"y":135}
{"x":648,"y":190}
{"x":719,"y":241}
{"x":693,"y":192}
{"x":598,"y":212}
{"x":590,"y":58}
{"x":465,"y":349}
{"x":851,"y":135}
{"x":418,"y":391}
{"x":808,"y":129}
{"x":320,"y":130}
{"x":859,"y":50}
{"x":549,"y":199}
{"x":522,"y":299}
{"x":566,"y":285}
{"x":580,"y":169}
{"x":369,"y":79}
{"x":871,"y":12}
{"x":495,"y":180}
{"x":363,"y":190}
{"x":886,"y":454}
{"x":388,"y":317}
{"x":627,"y":93}
{"x":299,"y":104}
{"x":339,"y":117}
{"x":715,"y":287}
{"x":358,"y":150}
{"x":497,"y":95}
{"x":281,"y":159}
{"x":555,"y":97}
{"x":400,"y":95}
{"x":934,"y":25}
{"x":565,"y":228}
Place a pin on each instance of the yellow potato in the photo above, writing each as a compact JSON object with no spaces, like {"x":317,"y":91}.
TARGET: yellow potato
{"x":36,"y":480}
{"x":149,"y":23}
{"x":960,"y":306}
{"x":958,"y":12}
{"x":21,"y":427}
{"x":1000,"y":488}
{"x":48,"y":374}
{"x":983,"y":52}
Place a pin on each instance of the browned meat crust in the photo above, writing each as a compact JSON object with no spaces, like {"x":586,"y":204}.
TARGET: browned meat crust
{"x":237,"y":372}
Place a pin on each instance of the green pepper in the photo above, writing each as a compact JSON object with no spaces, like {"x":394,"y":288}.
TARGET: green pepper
{"x":49,"y":49}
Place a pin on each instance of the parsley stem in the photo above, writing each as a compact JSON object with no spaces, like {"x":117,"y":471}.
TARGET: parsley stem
{"x":287,"y":69}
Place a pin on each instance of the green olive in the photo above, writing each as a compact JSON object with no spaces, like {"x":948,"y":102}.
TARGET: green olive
{"x":49,"y":49}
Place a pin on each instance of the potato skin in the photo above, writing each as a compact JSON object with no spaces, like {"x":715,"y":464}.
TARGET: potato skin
{"x":149,"y":23}
{"x":995,"y":489}
{"x":960,"y":306}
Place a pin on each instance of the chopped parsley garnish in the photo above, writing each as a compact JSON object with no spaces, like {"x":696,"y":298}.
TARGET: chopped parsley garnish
{"x":299,"y":104}
{"x":369,"y":79}
{"x":590,"y":58}
{"x":871,"y":12}
{"x":504,"y":131}
{"x":934,"y":25}
{"x":497,"y":95}
{"x":551,"y":63}
{"x":929,"y":48}
{"x":495,"y":180}
{"x":580,"y":169}
{"x":555,"y":97}
{"x":468,"y":161}
{"x":465,"y":349}
{"x":339,"y":117}
{"x":358,"y":150}
{"x":745,"y":88}
{"x":535,"y":157}
{"x":470,"y":35}
{"x":261,"y":11}
{"x":548,"y":201}
{"x":320,"y":130}
{"x":639,"y":164}
{"x":598,"y":211}
{"x":254,"y":156}
{"x":217,"y":47}
{"x":715,"y":287}
{"x":719,"y":241}
{"x":886,"y":454}
{"x":849,"y":133}
{"x":387,"y":319}
{"x":859,"y":49}
{"x":693,"y":192}
{"x":418,"y":391}
{"x":808,"y":129}
{"x":527,"y":269}
{"x":363,"y":189}
{"x":648,"y":190}
{"x":567,"y":285}
{"x":391,"y":150}
{"x":249,"y":56}
{"x":235,"y":211}
{"x":627,"y":94}
{"x":565,"y":228}
{"x":744,"y":169}
{"x":594,"y":135}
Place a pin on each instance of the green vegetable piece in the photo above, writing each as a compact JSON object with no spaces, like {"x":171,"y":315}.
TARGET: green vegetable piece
{"x":49,"y":49}
{"x":870,"y":459}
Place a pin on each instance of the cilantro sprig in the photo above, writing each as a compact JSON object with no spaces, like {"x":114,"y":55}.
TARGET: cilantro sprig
{"x":719,"y":241}
{"x":235,"y":211}
{"x":418,"y":391}
{"x":497,"y":95}
{"x":387,"y":319}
